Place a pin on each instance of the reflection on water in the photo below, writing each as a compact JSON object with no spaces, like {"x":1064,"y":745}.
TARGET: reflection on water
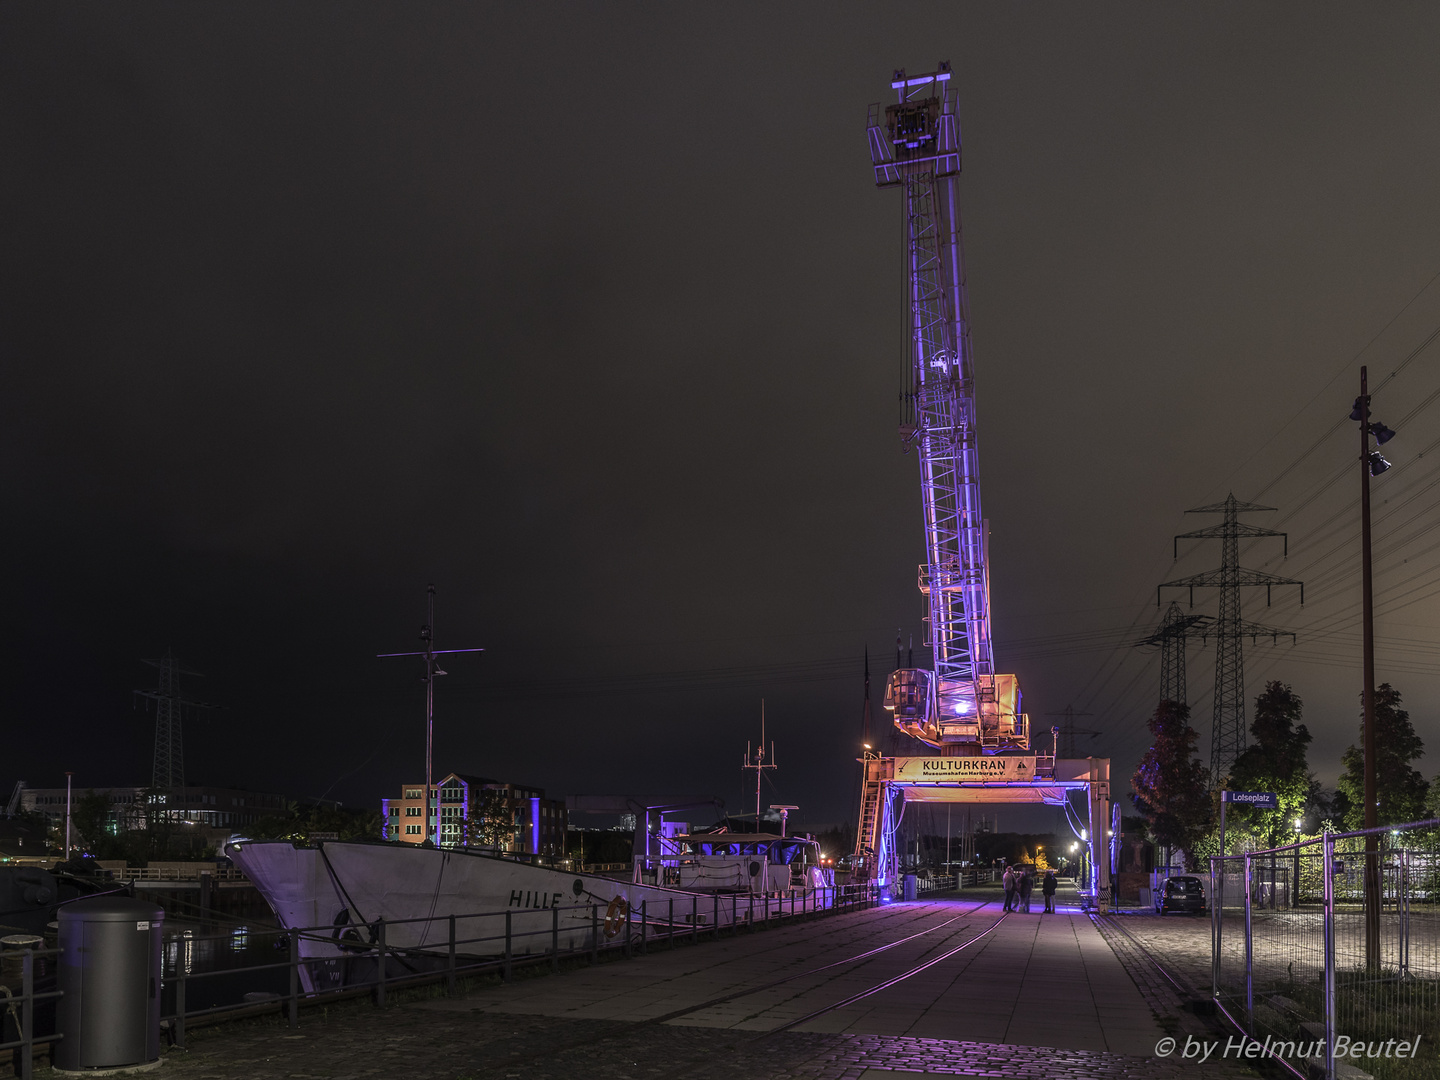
{"x":217,"y":963}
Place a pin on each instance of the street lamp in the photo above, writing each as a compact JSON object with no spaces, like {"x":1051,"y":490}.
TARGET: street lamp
{"x":1371,"y":464}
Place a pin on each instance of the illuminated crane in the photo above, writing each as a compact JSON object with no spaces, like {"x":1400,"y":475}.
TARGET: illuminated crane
{"x":962,"y":706}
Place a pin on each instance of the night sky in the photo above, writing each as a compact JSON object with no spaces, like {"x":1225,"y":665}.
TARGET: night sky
{"x":591,"y":315}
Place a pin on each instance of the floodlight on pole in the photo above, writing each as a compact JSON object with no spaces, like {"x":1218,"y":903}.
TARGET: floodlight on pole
{"x":1371,"y":464}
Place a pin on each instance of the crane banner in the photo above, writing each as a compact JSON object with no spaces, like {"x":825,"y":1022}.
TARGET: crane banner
{"x":964,"y":770}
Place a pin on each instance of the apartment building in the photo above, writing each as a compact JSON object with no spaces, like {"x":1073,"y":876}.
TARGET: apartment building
{"x":520,"y":818}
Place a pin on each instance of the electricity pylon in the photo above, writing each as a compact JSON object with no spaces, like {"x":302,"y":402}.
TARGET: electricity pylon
{"x":168,"y":771}
{"x":1227,"y":735}
{"x":1170,"y":637}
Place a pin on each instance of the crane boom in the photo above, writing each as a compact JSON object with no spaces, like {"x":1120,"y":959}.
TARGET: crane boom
{"x":962,"y":703}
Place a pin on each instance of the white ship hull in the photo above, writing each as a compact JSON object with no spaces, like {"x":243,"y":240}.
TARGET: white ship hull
{"x":341,"y":892}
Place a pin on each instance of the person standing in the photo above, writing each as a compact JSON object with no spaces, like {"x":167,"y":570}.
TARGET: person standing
{"x":1048,"y":888}
{"x":1009,"y":880}
{"x":1026,"y":884}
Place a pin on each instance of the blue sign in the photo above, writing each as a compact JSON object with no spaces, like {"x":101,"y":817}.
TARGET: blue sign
{"x":1264,"y":800}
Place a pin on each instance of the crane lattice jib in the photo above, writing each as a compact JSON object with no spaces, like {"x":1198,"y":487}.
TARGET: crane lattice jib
{"x":915,"y":145}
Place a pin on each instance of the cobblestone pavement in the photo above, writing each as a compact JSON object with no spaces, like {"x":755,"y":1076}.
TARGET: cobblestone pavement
{"x":457,"y":1043}
{"x":1183,"y":941}
{"x":1174,"y":1007}
{"x":459,"y":1038}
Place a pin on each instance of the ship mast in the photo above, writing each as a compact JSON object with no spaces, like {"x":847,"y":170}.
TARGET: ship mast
{"x":432,"y":669}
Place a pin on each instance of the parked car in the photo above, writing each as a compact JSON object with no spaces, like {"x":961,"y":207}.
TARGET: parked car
{"x":1181,"y":893}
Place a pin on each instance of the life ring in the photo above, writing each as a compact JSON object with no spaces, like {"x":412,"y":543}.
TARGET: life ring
{"x":615,"y":916}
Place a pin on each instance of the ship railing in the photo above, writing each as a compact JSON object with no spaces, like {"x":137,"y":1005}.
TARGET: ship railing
{"x":376,"y":959}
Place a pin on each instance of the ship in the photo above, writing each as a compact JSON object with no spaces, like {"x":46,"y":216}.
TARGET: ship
{"x":343,"y":900}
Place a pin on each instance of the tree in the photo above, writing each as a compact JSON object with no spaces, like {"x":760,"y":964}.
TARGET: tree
{"x":1400,"y":790}
{"x":1275,"y":761}
{"x":293,"y":823}
{"x":1172,"y":787}
{"x":489,"y":822}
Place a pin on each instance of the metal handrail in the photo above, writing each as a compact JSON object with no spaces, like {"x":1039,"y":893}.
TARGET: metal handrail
{"x":637,"y":935}
{"x":26,"y":1020}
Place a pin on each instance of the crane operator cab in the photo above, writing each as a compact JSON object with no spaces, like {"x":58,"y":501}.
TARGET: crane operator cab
{"x":980,"y":717}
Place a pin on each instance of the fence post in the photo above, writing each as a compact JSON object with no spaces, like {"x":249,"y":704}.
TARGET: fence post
{"x":1249,"y":955}
{"x":294,"y":979}
{"x":1404,"y":906}
{"x":507,"y":946}
{"x":594,"y":932}
{"x":380,"y":983}
{"x":1327,"y":860}
{"x":27,"y":1014}
{"x":715,"y":919}
{"x":179,"y":1027}
{"x":626,"y":949}
{"x":734,"y":913}
{"x":694,"y":920}
{"x":554,"y":938}
{"x":644,"y":927}
{"x":450,"y":960}
{"x":1217,"y":899}
{"x":670,"y":937}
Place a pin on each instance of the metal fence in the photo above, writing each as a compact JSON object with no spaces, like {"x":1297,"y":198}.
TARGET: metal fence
{"x":1328,"y":971}
{"x":19,"y":1012}
{"x":494,"y":942}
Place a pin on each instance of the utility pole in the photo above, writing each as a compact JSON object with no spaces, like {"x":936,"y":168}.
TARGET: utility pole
{"x":68,"y":775}
{"x":1371,"y":464}
{"x":1227,"y":735}
{"x":432,"y":669}
{"x":757,"y":762}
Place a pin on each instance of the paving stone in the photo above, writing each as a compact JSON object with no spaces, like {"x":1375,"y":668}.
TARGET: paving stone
{"x":1052,"y":981}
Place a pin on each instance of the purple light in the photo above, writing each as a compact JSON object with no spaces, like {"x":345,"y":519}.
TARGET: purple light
{"x":535,"y":825}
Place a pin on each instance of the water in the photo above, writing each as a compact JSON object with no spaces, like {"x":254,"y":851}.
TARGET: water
{"x":218,"y":962}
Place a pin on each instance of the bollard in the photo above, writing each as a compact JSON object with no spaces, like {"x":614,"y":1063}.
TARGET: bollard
{"x":506,"y":976}
{"x":670,"y":937}
{"x":554,"y":939}
{"x":594,"y":932}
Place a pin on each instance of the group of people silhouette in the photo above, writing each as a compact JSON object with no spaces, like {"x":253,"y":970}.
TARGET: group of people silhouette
{"x":1019,"y":883}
